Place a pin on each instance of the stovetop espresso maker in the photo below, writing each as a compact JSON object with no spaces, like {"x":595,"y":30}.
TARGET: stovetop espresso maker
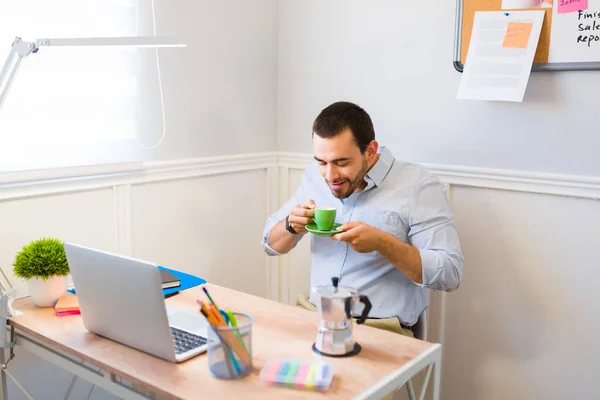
{"x":335,"y":304}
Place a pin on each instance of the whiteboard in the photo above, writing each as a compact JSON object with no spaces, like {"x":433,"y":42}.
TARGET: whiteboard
{"x":575,"y":37}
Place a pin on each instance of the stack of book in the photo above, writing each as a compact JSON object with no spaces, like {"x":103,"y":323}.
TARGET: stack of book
{"x":67,"y":305}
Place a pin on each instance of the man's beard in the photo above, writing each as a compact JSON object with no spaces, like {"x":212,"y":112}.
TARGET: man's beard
{"x":351,"y":185}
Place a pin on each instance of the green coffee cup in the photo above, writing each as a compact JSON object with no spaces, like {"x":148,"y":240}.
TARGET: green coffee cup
{"x":324,"y":218}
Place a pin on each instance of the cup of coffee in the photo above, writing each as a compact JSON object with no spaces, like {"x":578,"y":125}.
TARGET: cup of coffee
{"x":324,"y":218}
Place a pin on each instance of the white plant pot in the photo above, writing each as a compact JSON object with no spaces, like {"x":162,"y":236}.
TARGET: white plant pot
{"x":44,"y":292}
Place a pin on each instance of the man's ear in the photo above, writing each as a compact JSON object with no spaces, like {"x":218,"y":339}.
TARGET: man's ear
{"x":372,"y":149}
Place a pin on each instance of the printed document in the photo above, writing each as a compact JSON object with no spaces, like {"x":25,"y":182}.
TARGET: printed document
{"x":500,"y":55}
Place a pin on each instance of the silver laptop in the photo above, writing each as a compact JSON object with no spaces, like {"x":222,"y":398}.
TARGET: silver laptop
{"x":120,"y":298}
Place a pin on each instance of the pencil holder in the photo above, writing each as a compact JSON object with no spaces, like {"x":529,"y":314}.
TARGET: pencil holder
{"x":230,"y":348}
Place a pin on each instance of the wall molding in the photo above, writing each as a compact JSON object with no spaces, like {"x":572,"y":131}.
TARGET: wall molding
{"x":150,"y":172}
{"x":522,"y":181}
{"x":503,"y":179}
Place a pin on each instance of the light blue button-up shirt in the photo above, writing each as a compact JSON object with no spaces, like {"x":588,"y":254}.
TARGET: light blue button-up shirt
{"x":402,"y":199}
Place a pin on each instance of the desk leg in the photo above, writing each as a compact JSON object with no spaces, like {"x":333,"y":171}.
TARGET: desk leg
{"x":437,"y":375}
{"x":3,"y":389}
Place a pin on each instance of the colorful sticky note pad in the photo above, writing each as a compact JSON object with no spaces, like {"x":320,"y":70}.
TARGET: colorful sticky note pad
{"x":567,"y":6}
{"x":297,"y":374}
{"x":517,"y":35}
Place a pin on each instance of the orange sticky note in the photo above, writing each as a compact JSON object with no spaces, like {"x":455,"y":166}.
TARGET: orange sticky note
{"x":517,"y":35}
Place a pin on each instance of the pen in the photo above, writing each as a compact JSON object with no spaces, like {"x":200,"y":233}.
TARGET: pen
{"x":171,"y":294}
{"x":236,"y":332}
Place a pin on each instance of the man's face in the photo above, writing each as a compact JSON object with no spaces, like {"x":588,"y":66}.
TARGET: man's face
{"x":342,"y":164}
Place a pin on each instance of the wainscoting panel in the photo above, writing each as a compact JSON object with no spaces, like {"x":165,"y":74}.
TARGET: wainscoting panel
{"x":86,"y":217}
{"x":298,"y":261}
{"x":523,"y":324}
{"x":208,"y":226}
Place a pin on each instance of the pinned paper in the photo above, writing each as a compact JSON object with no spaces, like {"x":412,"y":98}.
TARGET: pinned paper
{"x":567,"y":6}
{"x":517,"y":35}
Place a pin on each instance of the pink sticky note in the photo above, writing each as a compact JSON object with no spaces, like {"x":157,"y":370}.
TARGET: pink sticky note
{"x":566,"y":6}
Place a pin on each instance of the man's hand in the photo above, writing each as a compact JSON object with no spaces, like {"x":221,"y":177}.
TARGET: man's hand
{"x":301,"y":215}
{"x":363,"y":238}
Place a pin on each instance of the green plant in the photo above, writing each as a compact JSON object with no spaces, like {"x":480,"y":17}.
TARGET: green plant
{"x":42,"y":258}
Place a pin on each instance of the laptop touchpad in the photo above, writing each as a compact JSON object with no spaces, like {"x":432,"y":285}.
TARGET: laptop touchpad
{"x":187,"y":321}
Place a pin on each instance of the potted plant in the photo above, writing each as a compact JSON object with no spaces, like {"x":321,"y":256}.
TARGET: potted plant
{"x":43,"y":263}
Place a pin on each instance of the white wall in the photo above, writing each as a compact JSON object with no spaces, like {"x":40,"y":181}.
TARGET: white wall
{"x":521,"y":325}
{"x":219,"y":91}
{"x":395,"y":59}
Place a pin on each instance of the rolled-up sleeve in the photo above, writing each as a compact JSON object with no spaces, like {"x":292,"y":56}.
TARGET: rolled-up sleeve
{"x":433,"y":232}
{"x":279,"y":215}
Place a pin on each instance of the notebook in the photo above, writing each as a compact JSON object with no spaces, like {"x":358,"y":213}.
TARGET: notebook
{"x":187,"y":281}
{"x":168,"y":280}
{"x":67,"y":305}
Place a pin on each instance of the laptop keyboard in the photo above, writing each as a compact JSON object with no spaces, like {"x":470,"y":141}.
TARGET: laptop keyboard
{"x":185,"y":341}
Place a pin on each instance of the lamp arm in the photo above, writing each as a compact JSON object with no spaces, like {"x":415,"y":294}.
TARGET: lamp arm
{"x":19,"y":50}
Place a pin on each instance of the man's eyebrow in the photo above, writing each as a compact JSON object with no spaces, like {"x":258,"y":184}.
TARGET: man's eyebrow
{"x":334,"y":161}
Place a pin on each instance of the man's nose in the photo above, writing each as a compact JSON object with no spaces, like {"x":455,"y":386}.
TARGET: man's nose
{"x":332,"y":173}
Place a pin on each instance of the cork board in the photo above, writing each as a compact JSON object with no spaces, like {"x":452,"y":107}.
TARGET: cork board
{"x":465,"y":15}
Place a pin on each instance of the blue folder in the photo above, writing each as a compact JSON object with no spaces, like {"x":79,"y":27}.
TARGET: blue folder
{"x":187,"y":281}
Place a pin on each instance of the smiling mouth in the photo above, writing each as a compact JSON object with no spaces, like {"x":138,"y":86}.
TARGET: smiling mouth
{"x":337,"y":185}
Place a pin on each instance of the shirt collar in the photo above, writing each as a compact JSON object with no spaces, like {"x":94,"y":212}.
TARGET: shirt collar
{"x":379,"y":171}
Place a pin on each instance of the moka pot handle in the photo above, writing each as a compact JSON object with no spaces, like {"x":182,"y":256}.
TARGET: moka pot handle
{"x":364,"y":299}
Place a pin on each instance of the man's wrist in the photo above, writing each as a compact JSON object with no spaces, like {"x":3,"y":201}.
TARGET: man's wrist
{"x":385,"y":241}
{"x":289,"y":227}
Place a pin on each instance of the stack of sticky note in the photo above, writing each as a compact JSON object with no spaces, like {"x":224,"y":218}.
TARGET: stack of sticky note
{"x":67,"y":305}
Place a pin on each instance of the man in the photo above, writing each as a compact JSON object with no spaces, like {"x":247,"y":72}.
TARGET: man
{"x":398,"y":237}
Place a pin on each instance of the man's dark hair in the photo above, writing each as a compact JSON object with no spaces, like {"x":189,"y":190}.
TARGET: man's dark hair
{"x":339,"y":116}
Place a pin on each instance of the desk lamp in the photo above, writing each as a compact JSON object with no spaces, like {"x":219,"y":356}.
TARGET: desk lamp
{"x":21,"y":49}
